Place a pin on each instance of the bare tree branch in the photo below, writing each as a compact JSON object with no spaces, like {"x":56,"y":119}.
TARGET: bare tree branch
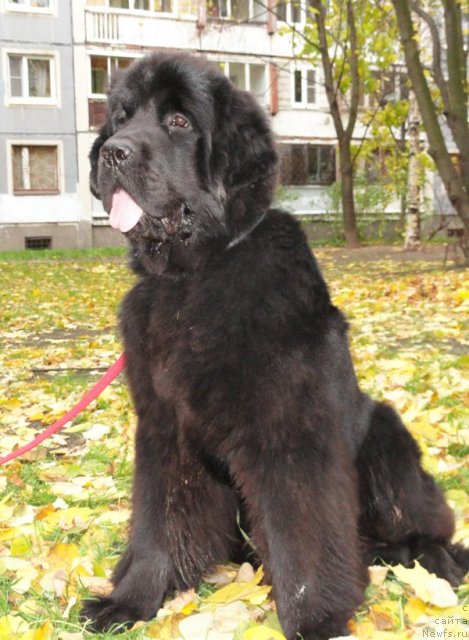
{"x":331,"y":93}
{"x":355,"y":93}
{"x":436,"y":67}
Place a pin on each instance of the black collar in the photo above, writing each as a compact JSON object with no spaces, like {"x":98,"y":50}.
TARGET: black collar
{"x":247,"y":232}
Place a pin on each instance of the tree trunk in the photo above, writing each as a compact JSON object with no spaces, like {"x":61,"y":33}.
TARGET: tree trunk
{"x":348,"y":200}
{"x":401,"y":143}
{"x":412,"y":232}
{"x":344,"y":134}
{"x":458,"y":193}
{"x":457,"y":82}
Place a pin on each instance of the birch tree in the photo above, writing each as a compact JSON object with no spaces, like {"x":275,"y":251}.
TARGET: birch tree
{"x":413,"y":217}
{"x":448,"y":76}
{"x":354,"y":40}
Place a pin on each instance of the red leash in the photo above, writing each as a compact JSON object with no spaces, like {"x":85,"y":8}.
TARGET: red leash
{"x":89,"y":396}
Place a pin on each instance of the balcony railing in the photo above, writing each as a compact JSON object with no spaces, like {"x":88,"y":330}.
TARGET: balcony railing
{"x":104,"y":27}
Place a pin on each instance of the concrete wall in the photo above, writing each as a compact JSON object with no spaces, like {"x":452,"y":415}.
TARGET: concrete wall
{"x":61,"y":215}
{"x":74,"y":235}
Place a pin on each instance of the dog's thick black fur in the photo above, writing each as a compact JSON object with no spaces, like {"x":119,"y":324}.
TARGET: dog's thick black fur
{"x":239,"y":368}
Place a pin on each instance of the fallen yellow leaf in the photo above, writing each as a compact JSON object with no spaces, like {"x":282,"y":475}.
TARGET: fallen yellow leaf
{"x":248,"y":591}
{"x":44,"y":632}
{"x":377,"y":574}
{"x":427,"y":586}
{"x":261,"y":632}
{"x":62,"y":555}
{"x":240,"y":591}
{"x":414,"y":609}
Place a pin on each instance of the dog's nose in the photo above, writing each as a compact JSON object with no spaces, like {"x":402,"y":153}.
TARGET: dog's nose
{"x":114,"y":153}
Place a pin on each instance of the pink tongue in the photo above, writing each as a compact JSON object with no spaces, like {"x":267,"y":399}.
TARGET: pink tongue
{"x":125,"y":212}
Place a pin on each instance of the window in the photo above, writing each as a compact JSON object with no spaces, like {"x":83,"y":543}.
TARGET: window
{"x":248,"y":77}
{"x":237,"y":73}
{"x":307,"y":164}
{"x":31,"y":78}
{"x":35,"y":169}
{"x":290,"y":11}
{"x":240,"y":10}
{"x":375,"y":168}
{"x":102,"y":70}
{"x":164,"y":6}
{"x":32,"y":6}
{"x":217,"y":8}
{"x":385,"y":87}
{"x":38,"y":242}
{"x":298,"y":86}
{"x":258,"y":82}
{"x":138,"y":5}
{"x":310,"y":86}
{"x":304,"y":87}
{"x":99,"y":74}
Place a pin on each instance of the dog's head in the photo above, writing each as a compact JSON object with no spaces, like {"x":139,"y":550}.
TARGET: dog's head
{"x":183,"y":158}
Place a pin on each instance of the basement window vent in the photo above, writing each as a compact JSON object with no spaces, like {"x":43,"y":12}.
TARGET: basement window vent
{"x":38,"y":242}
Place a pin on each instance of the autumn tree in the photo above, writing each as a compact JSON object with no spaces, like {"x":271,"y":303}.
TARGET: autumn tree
{"x":447,"y":74}
{"x":355,"y":41}
{"x":333,"y":87}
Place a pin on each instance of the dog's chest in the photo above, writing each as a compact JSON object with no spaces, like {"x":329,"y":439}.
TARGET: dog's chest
{"x":180,"y":330}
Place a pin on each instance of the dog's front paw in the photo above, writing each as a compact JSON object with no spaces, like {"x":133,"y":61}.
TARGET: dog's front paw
{"x":446,"y":561}
{"x":106,"y":614}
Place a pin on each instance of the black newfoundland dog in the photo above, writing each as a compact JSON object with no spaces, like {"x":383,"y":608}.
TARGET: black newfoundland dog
{"x":249,"y":413}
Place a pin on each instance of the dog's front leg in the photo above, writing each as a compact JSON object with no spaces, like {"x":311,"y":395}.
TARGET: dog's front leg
{"x":144,"y":574}
{"x":302,"y":512}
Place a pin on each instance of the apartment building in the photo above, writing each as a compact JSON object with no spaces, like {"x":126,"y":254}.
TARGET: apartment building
{"x":57,"y":59}
{"x":39,"y":197}
{"x":242,"y":36}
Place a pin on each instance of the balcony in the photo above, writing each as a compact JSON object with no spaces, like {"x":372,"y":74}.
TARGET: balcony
{"x":187,"y":27}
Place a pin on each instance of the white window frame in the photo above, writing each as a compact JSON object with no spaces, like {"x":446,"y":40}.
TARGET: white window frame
{"x":31,"y":142}
{"x":146,"y":12}
{"x":229,"y":16}
{"x":247,"y":75}
{"x":99,"y":54}
{"x":303,"y":103}
{"x":310,"y":143}
{"x":303,"y":12}
{"x":53,"y":57}
{"x":51,"y":10}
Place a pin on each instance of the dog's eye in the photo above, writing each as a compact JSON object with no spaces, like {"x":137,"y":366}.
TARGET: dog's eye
{"x":120,"y":118}
{"x":122,"y":115}
{"x":179,"y":121}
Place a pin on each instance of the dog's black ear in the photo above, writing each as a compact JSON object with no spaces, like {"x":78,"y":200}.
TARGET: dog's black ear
{"x":94,"y":157}
{"x":243,"y":148}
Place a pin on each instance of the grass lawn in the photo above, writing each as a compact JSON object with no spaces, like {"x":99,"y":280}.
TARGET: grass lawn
{"x":64,"y":507}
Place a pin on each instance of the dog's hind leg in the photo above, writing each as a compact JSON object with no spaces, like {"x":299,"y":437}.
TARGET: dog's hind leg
{"x":404,"y":516}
